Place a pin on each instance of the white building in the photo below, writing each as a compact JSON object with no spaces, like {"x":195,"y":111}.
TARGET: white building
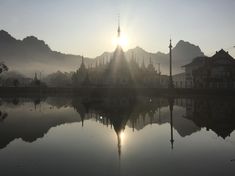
{"x":179,"y":80}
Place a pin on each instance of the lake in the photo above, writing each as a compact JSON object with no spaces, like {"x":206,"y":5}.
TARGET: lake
{"x":130,"y":135}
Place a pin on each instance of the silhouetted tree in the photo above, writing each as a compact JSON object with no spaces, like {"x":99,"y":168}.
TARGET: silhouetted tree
{"x":3,"y":67}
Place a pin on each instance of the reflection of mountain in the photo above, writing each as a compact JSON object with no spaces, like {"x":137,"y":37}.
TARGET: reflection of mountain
{"x":216,"y":114}
{"x":25,"y":122}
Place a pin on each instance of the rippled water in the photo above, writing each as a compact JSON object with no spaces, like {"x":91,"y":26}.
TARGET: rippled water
{"x":117,"y":136}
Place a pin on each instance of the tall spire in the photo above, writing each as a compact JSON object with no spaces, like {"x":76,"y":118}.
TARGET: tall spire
{"x":119,"y":29}
{"x":170,"y":77}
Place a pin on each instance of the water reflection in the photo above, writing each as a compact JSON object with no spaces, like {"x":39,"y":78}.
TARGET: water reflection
{"x":3,"y":116}
{"x":31,"y":118}
{"x":117,"y":113}
{"x":213,"y":114}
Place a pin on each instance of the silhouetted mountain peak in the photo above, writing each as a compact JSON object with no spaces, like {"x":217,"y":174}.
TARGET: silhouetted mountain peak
{"x":160,"y":53}
{"x":30,"y":38}
{"x":5,"y":36}
{"x":4,"y":33}
{"x":137,"y":51}
{"x":139,"y":48}
{"x":182,"y":42}
{"x":187,"y":46}
{"x":34,"y":42}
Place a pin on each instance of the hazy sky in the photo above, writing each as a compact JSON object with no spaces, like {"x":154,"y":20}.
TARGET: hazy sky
{"x":87,"y":27}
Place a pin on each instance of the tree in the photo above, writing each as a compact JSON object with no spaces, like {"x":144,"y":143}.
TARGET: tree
{"x":3,"y":67}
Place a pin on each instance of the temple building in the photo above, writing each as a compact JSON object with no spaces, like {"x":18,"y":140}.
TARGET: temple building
{"x":119,"y":72}
{"x":217,"y":71}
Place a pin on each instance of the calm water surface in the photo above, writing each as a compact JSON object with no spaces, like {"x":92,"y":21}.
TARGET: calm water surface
{"x":117,"y":136}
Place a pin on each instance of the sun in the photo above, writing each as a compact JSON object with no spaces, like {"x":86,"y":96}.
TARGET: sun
{"x":121,"y":41}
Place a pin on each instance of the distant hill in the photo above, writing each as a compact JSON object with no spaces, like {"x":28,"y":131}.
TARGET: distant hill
{"x":31,"y":54}
{"x":58,"y":79}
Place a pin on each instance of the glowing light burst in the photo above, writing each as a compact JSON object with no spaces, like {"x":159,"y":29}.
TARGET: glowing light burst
{"x":121,"y":41}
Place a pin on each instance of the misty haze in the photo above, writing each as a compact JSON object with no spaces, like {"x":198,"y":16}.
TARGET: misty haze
{"x":119,"y":87}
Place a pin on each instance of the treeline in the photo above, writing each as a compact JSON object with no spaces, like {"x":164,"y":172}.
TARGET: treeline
{"x":59,"y":79}
{"x":15,"y":79}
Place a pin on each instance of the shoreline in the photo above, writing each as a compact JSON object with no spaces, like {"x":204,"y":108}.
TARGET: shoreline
{"x":108,"y":91}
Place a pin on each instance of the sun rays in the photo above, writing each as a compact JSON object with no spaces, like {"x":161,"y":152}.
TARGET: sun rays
{"x":120,"y":41}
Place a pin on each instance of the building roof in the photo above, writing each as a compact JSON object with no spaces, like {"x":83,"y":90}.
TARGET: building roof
{"x":179,"y":75}
{"x":222,"y":55}
{"x":196,"y":61}
{"x":218,"y":56}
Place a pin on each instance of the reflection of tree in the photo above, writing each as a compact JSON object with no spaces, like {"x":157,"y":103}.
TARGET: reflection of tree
{"x":18,"y":100}
{"x":3,"y":116}
{"x":213,"y":113}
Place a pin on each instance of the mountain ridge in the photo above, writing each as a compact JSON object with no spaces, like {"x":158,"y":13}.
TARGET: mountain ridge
{"x":183,"y":52}
{"x":31,"y":55}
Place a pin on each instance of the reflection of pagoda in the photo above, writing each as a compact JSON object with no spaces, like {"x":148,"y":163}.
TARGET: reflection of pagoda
{"x":118,"y":72}
{"x":118,"y":112}
{"x":119,"y":143}
{"x":114,"y":111}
